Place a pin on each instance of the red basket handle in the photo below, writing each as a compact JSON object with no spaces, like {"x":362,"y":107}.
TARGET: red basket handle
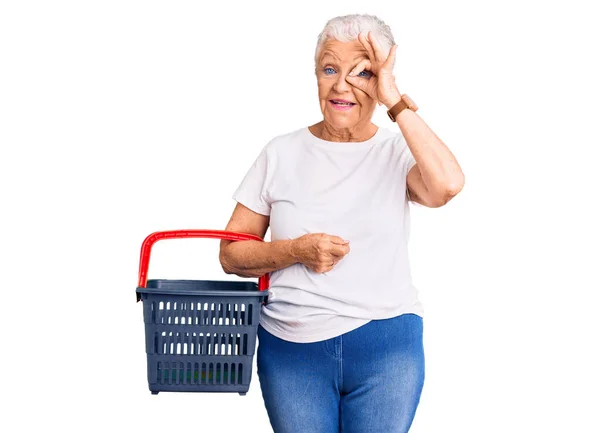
{"x":263,"y":282}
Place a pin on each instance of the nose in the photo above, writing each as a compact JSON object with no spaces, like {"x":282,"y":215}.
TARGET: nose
{"x":341,"y":85}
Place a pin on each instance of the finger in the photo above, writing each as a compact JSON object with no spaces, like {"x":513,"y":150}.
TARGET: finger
{"x":329,"y":268}
{"x":379,"y":56}
{"x":391,"y":60}
{"x":339,"y":241}
{"x":369,"y":86}
{"x":365,"y":43}
{"x":359,"y":83}
{"x":362,"y":66}
{"x":339,"y":251}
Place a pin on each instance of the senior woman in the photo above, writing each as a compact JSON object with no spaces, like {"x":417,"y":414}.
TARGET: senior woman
{"x":340,"y":338}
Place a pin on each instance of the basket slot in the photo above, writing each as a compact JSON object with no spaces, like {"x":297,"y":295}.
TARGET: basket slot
{"x":160,"y":313}
{"x":178,"y":313}
{"x":242,"y":314}
{"x":186,"y":344}
{"x":165,"y":375}
{"x":196,"y":373}
{"x":194,"y":313}
{"x":231,"y":345}
{"x":202,"y":314}
{"x":185,"y":313}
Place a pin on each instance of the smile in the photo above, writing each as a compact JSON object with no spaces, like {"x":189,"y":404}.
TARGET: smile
{"x":342,"y":106}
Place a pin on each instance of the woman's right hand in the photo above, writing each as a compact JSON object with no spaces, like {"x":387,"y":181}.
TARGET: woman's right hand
{"x":320,"y":252}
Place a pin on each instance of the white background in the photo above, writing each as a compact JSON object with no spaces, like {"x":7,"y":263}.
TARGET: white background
{"x":120,"y":118}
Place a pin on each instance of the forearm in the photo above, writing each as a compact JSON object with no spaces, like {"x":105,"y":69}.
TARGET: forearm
{"x":255,"y":258}
{"x":439,"y":168}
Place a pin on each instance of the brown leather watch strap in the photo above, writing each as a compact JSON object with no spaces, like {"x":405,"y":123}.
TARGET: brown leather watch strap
{"x":405,"y":102}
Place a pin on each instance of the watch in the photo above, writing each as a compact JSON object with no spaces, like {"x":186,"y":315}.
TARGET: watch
{"x":405,"y":102}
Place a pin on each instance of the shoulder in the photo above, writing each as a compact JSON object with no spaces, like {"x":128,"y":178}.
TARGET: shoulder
{"x":393,"y":145}
{"x":296,"y":135}
{"x":285,"y":143}
{"x":388,"y":137}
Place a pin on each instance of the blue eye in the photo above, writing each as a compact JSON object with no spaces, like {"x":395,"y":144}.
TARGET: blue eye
{"x":325,"y":70}
{"x":369,"y":73}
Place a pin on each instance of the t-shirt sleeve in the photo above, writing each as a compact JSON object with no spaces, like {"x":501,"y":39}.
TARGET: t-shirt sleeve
{"x":406,"y":157}
{"x":408,"y":161}
{"x":252,"y":192}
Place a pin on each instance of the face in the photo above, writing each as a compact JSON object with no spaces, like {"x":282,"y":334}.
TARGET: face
{"x":336,"y":60}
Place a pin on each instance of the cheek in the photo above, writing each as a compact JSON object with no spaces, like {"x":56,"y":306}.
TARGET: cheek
{"x":365,"y":99}
{"x":324,"y":89}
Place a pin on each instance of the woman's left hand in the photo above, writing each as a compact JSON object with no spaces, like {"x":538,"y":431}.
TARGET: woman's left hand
{"x":382,"y":85}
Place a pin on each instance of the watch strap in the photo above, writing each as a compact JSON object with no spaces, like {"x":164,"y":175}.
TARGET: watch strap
{"x":401,"y":105}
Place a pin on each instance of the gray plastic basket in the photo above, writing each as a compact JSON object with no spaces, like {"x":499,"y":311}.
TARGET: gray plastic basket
{"x":200,"y":334}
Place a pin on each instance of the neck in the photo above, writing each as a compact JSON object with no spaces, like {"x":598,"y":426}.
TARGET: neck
{"x":327,"y":132}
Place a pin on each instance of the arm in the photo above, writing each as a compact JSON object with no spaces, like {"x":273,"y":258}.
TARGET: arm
{"x":254,"y":258}
{"x":437,"y":177}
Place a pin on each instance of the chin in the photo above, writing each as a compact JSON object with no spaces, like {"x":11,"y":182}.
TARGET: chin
{"x":340,"y":121}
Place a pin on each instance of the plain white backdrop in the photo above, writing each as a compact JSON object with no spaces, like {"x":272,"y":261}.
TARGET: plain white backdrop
{"x":121,"y":118}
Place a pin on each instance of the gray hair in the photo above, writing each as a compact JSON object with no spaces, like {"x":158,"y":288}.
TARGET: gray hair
{"x":346,"y":29}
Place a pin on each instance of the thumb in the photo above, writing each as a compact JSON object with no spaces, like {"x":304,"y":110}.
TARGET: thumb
{"x":357,"y":82}
{"x":338,"y":241}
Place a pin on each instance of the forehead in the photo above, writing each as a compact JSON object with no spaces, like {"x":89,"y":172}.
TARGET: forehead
{"x":343,"y":51}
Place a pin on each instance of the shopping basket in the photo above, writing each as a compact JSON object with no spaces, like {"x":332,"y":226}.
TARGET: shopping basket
{"x":200,"y":334}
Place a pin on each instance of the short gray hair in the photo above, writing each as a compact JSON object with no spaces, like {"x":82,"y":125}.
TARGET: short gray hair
{"x":346,"y":29}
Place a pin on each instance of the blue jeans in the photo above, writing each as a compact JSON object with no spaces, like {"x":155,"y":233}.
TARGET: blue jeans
{"x":366,"y":380}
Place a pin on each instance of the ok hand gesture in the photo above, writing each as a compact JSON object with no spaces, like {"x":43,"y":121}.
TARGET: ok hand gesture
{"x":382,"y":85}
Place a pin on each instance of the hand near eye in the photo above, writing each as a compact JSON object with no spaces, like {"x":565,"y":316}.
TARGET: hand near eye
{"x":382,"y":85}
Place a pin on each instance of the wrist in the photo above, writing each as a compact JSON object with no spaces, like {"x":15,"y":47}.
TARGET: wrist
{"x":393,"y":100}
{"x":294,"y":250}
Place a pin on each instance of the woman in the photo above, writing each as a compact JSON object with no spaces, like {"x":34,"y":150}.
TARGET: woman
{"x":340,"y":339}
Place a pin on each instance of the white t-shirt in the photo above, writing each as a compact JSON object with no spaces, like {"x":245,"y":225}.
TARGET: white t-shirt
{"x":354,"y":190}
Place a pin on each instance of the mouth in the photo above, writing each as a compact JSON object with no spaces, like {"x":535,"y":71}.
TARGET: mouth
{"x":341,"y":104}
